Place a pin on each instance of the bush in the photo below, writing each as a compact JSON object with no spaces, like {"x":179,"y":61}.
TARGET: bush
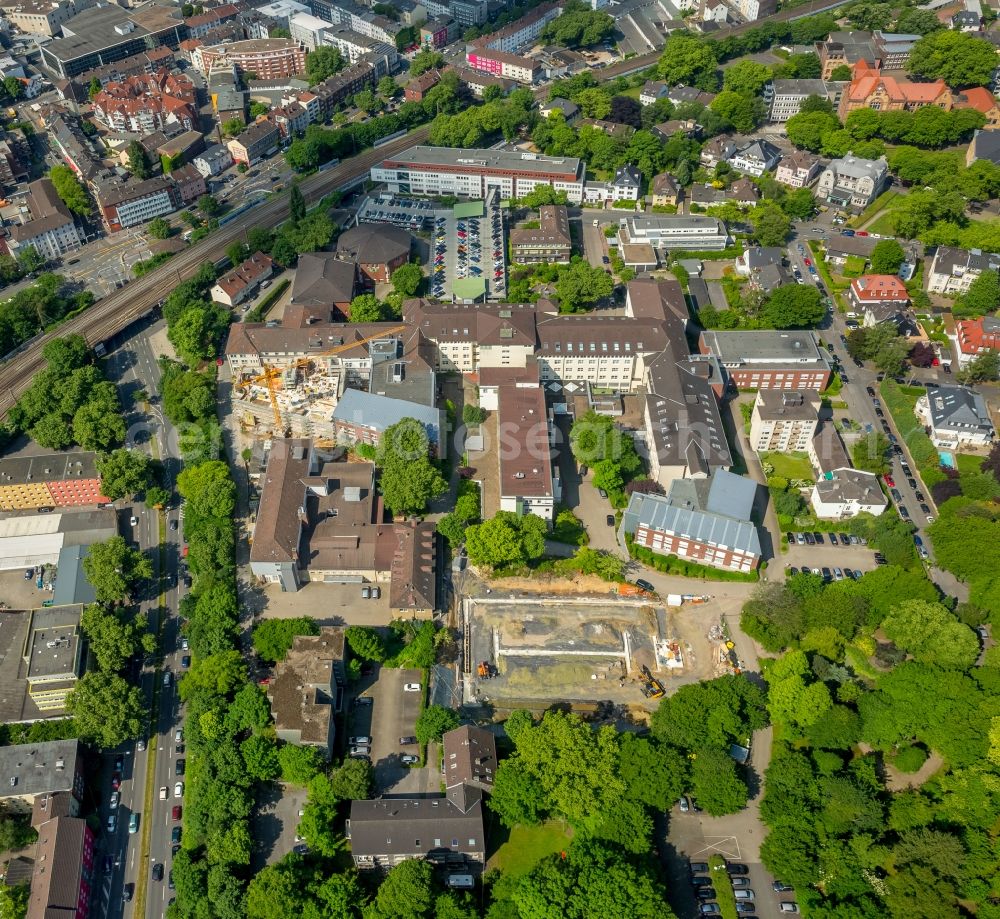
{"x":273,"y":637}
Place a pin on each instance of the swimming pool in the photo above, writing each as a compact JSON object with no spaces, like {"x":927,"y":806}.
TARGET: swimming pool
{"x":946,"y":459}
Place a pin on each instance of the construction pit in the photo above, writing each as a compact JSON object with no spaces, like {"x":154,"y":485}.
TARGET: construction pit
{"x":532,"y":652}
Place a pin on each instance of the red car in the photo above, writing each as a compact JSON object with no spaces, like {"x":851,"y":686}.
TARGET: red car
{"x":861,"y":233}
{"x":808,"y":262}
{"x":176,"y":812}
{"x":889,"y":481}
{"x":116,"y":781}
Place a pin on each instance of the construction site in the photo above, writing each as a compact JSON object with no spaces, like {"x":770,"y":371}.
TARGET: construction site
{"x":533,"y":652}
{"x":298,"y":396}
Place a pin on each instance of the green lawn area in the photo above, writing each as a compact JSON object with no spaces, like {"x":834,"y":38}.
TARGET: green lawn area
{"x":884,"y":226}
{"x":968,"y":463}
{"x":528,"y":845}
{"x":789,"y":465}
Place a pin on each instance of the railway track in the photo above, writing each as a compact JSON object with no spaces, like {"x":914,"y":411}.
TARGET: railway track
{"x":114,"y":313}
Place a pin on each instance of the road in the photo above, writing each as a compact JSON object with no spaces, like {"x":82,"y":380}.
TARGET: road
{"x":116,"y":312}
{"x":133,"y":367}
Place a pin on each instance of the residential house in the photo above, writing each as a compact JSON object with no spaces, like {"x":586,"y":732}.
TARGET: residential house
{"x":653,"y":91}
{"x":213,"y":160}
{"x":744,"y":192}
{"x":323,"y":289}
{"x":667,"y":129}
{"x":705,"y":520}
{"x":564,"y":107}
{"x":525,"y":457}
{"x":664,"y":190}
{"x":63,"y":882}
{"x":714,"y":11}
{"x":853,"y":181}
{"x":626,"y":184}
{"x":976,"y":336}
{"x":957,"y":417}
{"x":443,"y":830}
{"x":840,"y":248}
{"x":844,"y":493}
{"x":307,"y":687}
{"x":717,"y":150}
{"x":985,"y":145}
{"x":756,"y":157}
{"x":418,"y":87}
{"x":764,"y":359}
{"x":983,"y":101}
{"x":754,"y":10}
{"x":953,"y":270}
{"x":243,"y":282}
{"x":878,"y":298}
{"x":190,"y":183}
{"x":469,"y":757}
{"x":256,"y":142}
{"x":679,"y":94}
{"x":550,"y":242}
{"x":966,"y":21}
{"x":798,"y":169}
{"x":783,"y":420}
{"x":51,"y":228}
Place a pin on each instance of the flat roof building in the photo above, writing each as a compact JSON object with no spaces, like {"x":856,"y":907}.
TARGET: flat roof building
{"x":669,"y":231}
{"x":105,"y":34}
{"x":763,"y":359}
{"x":29,"y":771}
{"x":475,"y":173}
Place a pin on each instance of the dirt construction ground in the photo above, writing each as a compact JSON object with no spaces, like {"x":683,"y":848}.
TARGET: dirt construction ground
{"x":545,"y":649}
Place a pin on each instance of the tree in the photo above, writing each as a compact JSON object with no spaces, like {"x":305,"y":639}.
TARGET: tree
{"x":107,"y":710}
{"x":582,"y":285}
{"x":159,"y":228}
{"x":388,"y":88}
{"x":922,"y":355}
{"x":870,"y":453}
{"x":366,"y":643}
{"x":273,"y":638}
{"x":425,"y":60}
{"x":794,"y":698}
{"x":591,"y":879}
{"x":815,"y":103}
{"x":870,"y":17}
{"x":208,"y":205}
{"x":506,"y":539}
{"x":406,"y":892}
{"x":717,"y":786}
{"x":981,"y":298}
{"x":434,"y":721}
{"x":94,"y":88}
{"x":714,"y":713}
{"x":232,"y":127}
{"x":579,"y":27}
{"x":114,"y":638}
{"x":367,"y":101}
{"x":70,"y":190}
{"x":841,"y":73}
{"x":625,"y":110}
{"x":113,"y":568}
{"x":138,"y":161}
{"x":794,"y":306}
{"x":931,"y":634}
{"x":914,"y":21}
{"x":124,"y":473}
{"x":887,"y":256}
{"x":807,"y":130}
{"x":983,"y":368}
{"x":296,"y":204}
{"x":208,"y":489}
{"x":408,"y":480}
{"x":353,"y":781}
{"x":688,"y":61}
{"x":958,"y":58}
{"x":13,"y":87}
{"x":406,"y":279}
{"x":744,"y":113}
{"x":746,"y":77}
{"x":299,"y":764}
{"x":655,"y":774}
{"x":799,"y":204}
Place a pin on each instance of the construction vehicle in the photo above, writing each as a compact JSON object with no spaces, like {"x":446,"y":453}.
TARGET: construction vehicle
{"x":486,"y":670}
{"x":271,"y":374}
{"x":651,"y":687}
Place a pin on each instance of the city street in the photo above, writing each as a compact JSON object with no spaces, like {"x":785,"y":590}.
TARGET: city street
{"x":133,"y":367}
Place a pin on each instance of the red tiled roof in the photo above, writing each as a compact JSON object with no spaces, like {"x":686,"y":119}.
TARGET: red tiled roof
{"x":879,"y":287}
{"x":979,"y":98}
{"x":866,"y":82}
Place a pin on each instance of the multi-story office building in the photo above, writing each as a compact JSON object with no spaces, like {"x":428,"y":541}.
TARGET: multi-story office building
{"x":785,"y":97}
{"x":674,"y":231}
{"x":769,"y":359}
{"x":475,"y":173}
{"x":106,"y":34}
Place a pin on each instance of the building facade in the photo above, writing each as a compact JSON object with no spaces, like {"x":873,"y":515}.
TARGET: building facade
{"x":127,"y":204}
{"x":52,"y":230}
{"x":853,"y":181}
{"x":783,"y":420}
{"x":255,"y":143}
{"x":786,"y":360}
{"x":550,"y":242}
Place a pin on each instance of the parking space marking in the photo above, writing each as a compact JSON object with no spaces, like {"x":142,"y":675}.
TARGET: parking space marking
{"x":719,"y":847}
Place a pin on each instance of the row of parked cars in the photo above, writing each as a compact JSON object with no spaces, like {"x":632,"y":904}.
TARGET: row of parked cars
{"x":817,"y":539}
{"x":705,"y":893}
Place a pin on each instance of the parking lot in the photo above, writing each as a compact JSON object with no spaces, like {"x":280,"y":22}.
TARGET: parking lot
{"x":825,"y":554}
{"x":390,"y":715}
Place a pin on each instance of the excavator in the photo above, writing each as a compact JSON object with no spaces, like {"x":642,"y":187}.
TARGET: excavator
{"x":651,"y":687}
{"x":271,"y":375}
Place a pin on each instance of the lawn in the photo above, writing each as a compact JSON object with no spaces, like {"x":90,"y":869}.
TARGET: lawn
{"x":789,"y":465}
{"x":967,"y":463}
{"x":884,"y":225}
{"x":528,"y":845}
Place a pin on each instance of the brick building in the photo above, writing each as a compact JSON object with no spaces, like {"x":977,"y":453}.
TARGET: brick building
{"x":769,"y":359}
{"x":550,"y":242}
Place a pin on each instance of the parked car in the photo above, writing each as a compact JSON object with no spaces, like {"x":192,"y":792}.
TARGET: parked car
{"x":175,"y":812}
{"x":407,"y":740}
{"x":643,"y":584}
{"x":735,"y":868}
{"x":705,"y":893}
{"x":128,"y":891}
{"x":115,"y":799}
{"x":179,"y":790}
{"x":408,"y":759}
{"x":684,"y":805}
{"x":133,"y":823}
{"x":411,"y":687}
{"x":709,"y":909}
{"x":363,"y":739}
{"x":740,"y":882}
{"x":112,"y":823}
{"x":698,"y":867}
{"x":700,"y":881}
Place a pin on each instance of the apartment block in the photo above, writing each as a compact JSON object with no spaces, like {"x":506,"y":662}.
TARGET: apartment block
{"x":269,"y":58}
{"x":51,"y":230}
{"x":783,"y":420}
{"x":853,"y":181}
{"x":127,"y":204}
{"x":255,"y":143}
{"x":550,"y":242}
{"x":953,"y":270}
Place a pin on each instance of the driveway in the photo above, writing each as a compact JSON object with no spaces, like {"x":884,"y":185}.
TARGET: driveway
{"x":392,"y":715}
{"x":595,"y":245}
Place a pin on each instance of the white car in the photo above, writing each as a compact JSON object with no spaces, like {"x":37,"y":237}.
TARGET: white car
{"x":179,"y":790}
{"x":411,"y":687}
{"x":133,"y":520}
{"x":163,"y":792}
{"x":178,"y":735}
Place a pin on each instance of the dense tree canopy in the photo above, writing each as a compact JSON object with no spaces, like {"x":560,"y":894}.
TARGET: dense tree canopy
{"x":960,"y":59}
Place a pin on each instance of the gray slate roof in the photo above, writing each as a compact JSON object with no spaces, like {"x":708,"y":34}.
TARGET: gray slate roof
{"x":958,"y":408}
